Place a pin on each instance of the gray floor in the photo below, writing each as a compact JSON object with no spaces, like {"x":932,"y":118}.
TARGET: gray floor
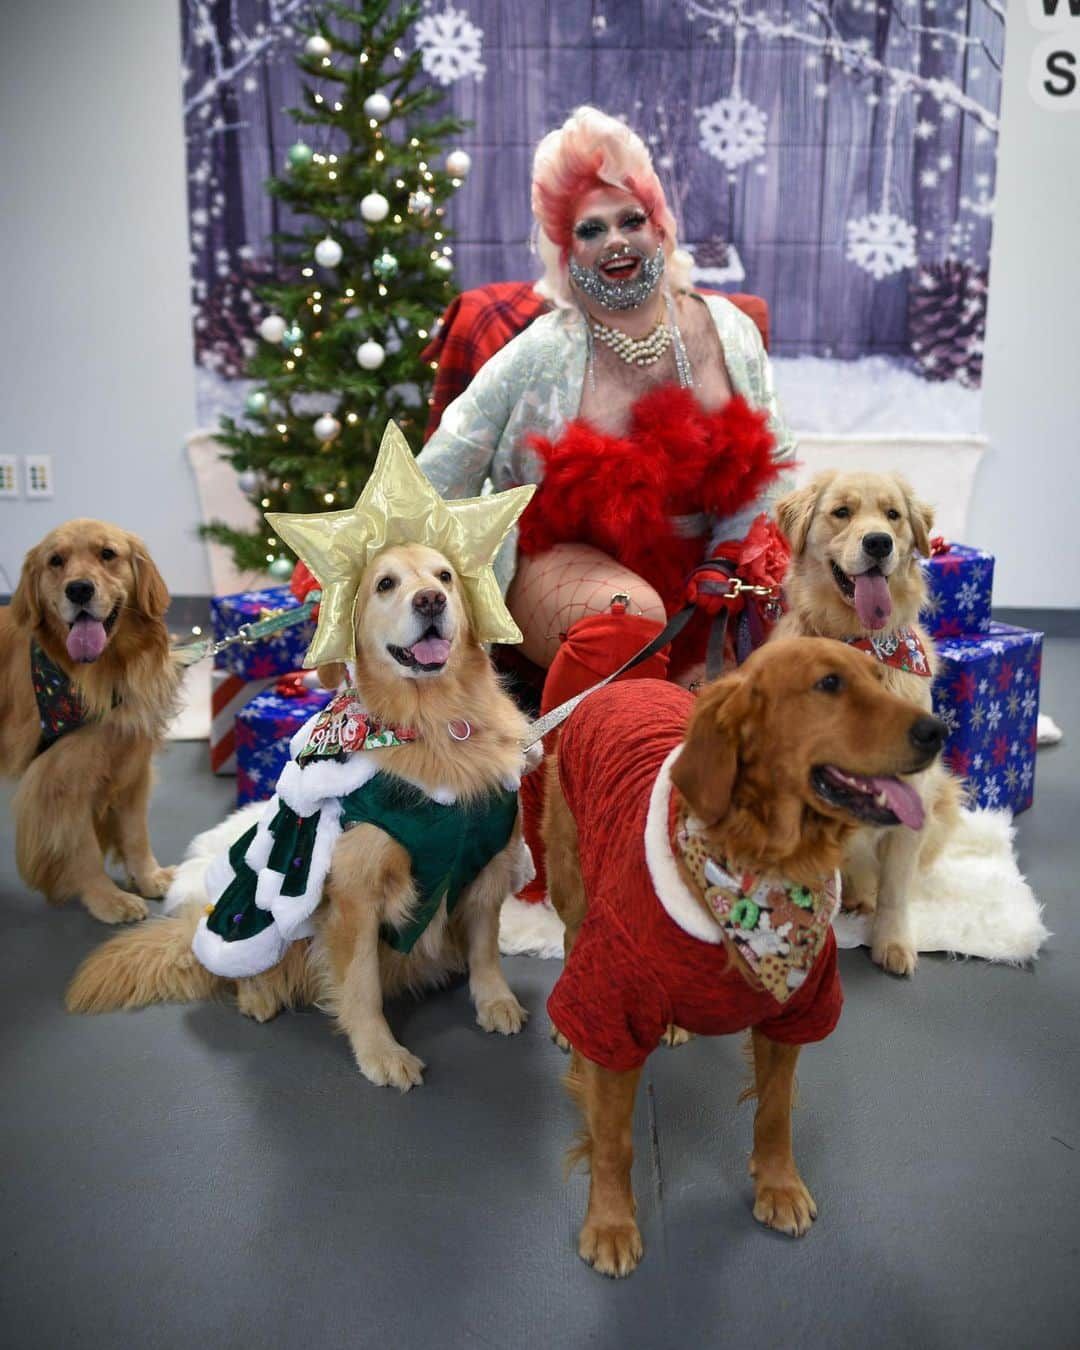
{"x":181,"y":1177}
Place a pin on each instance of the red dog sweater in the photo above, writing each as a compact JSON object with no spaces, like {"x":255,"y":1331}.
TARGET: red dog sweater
{"x":648,"y":954}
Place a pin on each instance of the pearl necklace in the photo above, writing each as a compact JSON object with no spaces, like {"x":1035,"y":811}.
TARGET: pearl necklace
{"x":644,"y":351}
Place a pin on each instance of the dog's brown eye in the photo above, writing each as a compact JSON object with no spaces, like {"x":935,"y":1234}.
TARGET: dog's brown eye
{"x":56,"y":560}
{"x":830,"y":684}
{"x":842,"y":512}
{"x":893,"y":513}
{"x":446,"y":575}
{"x":108,"y":554}
{"x":386,"y":584}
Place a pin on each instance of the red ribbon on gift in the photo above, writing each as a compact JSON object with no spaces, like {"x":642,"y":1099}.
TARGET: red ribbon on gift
{"x":292,"y":686}
{"x":939,"y":545}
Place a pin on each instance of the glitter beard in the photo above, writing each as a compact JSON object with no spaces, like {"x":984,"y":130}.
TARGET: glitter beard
{"x":620,"y":294}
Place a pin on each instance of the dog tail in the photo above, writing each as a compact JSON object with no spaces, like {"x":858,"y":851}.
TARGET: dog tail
{"x":152,"y":963}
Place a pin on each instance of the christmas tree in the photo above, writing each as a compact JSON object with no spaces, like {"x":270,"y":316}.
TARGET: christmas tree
{"x":358,"y":283}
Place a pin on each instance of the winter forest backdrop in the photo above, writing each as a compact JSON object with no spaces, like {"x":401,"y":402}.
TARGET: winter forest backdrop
{"x":834,"y":156}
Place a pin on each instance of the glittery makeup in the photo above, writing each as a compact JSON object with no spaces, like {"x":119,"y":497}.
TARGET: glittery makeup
{"x":620,"y":294}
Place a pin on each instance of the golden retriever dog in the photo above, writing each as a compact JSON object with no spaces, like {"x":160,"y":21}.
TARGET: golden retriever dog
{"x":855,"y":575}
{"x":85,"y":626}
{"x":418,"y":666}
{"x":692,"y":848}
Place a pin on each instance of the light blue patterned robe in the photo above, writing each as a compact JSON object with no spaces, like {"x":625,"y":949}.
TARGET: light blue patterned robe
{"x":533,"y":386}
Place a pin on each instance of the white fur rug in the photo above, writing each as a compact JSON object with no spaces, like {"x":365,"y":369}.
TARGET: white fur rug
{"x":973,"y":902}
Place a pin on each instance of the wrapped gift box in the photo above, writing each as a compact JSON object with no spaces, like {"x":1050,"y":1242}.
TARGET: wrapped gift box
{"x":228,"y":694}
{"x":264,"y":728}
{"x":277,"y":654}
{"x":987,"y":693}
{"x":960,"y":581}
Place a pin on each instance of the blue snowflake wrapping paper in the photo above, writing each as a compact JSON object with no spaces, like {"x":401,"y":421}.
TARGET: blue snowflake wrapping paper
{"x":959,"y":589}
{"x":264,"y":728}
{"x":987,"y":694}
{"x":277,"y":654}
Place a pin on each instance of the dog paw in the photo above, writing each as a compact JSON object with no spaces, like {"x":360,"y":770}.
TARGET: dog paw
{"x":504,"y":1015}
{"x":153,"y":885}
{"x":898,"y":958}
{"x":559,"y":1039}
{"x":613,"y":1249}
{"x":256,"y":1002}
{"x":113,"y":905}
{"x":675,"y":1036}
{"x":788,"y":1207}
{"x":391,"y":1066}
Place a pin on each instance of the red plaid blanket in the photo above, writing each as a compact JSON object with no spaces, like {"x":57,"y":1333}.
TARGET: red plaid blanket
{"x":480,"y":322}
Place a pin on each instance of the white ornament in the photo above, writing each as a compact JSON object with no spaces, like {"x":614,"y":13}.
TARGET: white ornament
{"x":374,"y":207}
{"x":377,"y":107}
{"x":327,"y":428}
{"x":370,"y":354}
{"x":420,"y":202}
{"x":443,"y":266}
{"x":317,"y":45}
{"x":328,"y":252}
{"x":881,"y":243}
{"x":450,"y":45}
{"x":732,"y":130}
{"x":458,"y":163}
{"x":247,"y":481}
{"x":272,"y":328}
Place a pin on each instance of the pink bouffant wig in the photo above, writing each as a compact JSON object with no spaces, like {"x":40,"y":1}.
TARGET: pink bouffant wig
{"x":592,"y":150}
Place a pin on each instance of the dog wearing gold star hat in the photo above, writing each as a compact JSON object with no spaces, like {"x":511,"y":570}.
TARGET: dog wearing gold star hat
{"x":382,"y":860}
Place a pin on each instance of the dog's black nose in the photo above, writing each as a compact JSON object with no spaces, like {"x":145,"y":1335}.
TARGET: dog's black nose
{"x":79,"y":592}
{"x":877,"y":545}
{"x":429,"y":603}
{"x":927,"y":734}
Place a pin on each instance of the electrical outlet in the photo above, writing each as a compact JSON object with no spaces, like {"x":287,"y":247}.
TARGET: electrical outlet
{"x":9,"y":476}
{"x":39,"y":476}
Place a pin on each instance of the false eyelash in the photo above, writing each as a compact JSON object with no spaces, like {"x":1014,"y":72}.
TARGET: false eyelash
{"x":589,"y":230}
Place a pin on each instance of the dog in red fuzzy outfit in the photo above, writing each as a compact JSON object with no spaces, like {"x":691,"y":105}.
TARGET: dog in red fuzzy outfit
{"x":681,"y":834}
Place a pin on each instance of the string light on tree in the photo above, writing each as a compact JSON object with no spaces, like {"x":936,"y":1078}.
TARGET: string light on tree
{"x":374,"y":208}
{"x":328,"y":252}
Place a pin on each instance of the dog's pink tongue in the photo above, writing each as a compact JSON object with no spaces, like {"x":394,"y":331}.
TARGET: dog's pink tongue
{"x":431,"y":651}
{"x":904,"y":801}
{"x":873,"y":604}
{"x":86,"y":640}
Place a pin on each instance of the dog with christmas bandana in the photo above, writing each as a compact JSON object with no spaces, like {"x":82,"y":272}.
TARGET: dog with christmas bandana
{"x":855,"y":575}
{"x":692,"y":853}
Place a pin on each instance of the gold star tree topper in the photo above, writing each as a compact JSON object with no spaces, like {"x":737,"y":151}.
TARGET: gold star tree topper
{"x":399,"y":506}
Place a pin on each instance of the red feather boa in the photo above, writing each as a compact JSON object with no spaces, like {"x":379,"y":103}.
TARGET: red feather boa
{"x":618,"y":493}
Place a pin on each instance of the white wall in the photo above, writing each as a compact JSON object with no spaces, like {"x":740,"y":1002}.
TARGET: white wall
{"x":96,"y":364}
{"x":1025,"y":504}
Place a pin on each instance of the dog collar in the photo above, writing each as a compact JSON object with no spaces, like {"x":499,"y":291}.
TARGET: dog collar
{"x":60,"y":710}
{"x":777,"y":928}
{"x":903,"y":650}
{"x":344,"y":726}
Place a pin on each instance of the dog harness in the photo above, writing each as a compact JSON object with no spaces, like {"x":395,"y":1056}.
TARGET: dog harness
{"x":266,"y":888}
{"x":648,"y":953}
{"x":903,"y":650}
{"x":60,"y":710}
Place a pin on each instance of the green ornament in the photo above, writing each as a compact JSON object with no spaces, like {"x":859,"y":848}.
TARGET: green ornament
{"x":385,"y":267}
{"x":256,"y":403}
{"x":299,"y":155}
{"x":293,"y":335}
{"x":281,"y":569}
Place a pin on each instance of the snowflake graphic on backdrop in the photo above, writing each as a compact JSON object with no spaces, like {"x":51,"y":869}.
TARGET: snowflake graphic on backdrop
{"x":732,"y":130}
{"x":450,"y":46}
{"x":881,"y":243}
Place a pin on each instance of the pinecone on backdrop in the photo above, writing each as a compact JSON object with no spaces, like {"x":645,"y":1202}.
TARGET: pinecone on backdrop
{"x":226,"y":317}
{"x":947,"y":321}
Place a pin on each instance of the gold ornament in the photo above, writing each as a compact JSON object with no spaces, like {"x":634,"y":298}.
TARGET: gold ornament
{"x":399,"y":506}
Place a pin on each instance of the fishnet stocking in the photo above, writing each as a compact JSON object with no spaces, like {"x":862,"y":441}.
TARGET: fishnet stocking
{"x":551,"y":591}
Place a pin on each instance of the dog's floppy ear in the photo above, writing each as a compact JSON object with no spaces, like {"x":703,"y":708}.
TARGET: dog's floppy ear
{"x":706,"y":767}
{"x":332,"y":674}
{"x":26,"y":607}
{"x":795,"y":512}
{"x":920,"y":515}
{"x":151,"y":593}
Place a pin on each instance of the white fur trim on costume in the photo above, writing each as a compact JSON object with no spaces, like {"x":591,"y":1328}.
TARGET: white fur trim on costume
{"x":235,"y":960}
{"x":674,"y":894}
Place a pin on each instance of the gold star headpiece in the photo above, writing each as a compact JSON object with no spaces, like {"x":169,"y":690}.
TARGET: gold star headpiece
{"x":399,"y":506}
